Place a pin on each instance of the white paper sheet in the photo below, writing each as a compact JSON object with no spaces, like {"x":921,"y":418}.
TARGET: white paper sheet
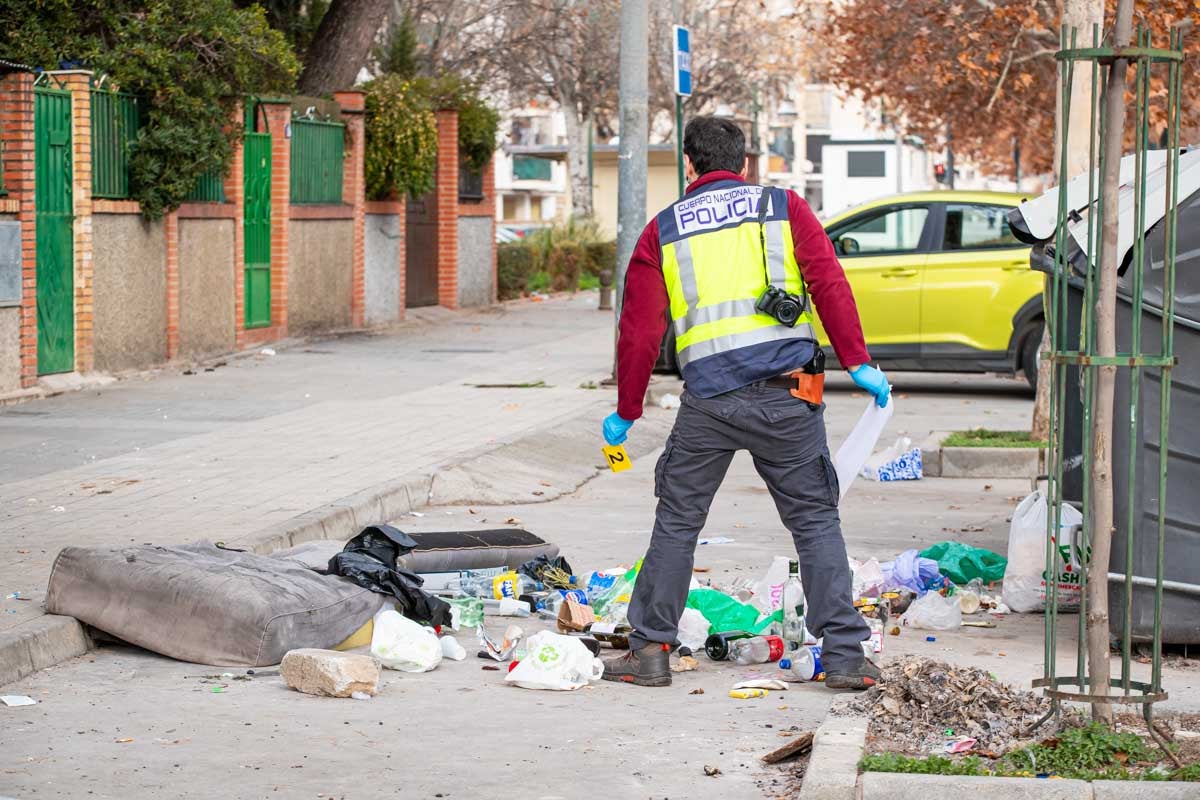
{"x":857,"y":448}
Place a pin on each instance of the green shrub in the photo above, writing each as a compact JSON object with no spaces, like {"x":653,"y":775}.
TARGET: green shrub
{"x":601,"y":256}
{"x":515,"y":265}
{"x":539,"y":281}
{"x":565,"y":262}
{"x":401,"y":152}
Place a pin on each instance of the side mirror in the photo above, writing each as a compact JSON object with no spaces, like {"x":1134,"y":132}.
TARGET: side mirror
{"x":847,"y":246}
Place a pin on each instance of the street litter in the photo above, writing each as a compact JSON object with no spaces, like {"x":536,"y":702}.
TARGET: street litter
{"x":762,"y":683}
{"x":716,"y":540}
{"x":370,"y":560}
{"x":854,"y":452}
{"x":920,"y":702}
{"x":503,"y":650}
{"x":747,"y":694}
{"x":962,"y":563}
{"x":900,"y":462}
{"x":933,"y":612}
{"x":267,"y":351}
{"x":961,"y":744}
{"x":1024,"y":584}
{"x":804,"y":664}
{"x":693,"y":629}
{"x":328,"y":673}
{"x":793,"y":749}
{"x":403,"y":644}
{"x":686,"y":664}
{"x":452,"y":650}
{"x":557,"y":663}
{"x":15,"y":700}
{"x":711,"y":771}
{"x":669,"y":401}
{"x":697,"y":690}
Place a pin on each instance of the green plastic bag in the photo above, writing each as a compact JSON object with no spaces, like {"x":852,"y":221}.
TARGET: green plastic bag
{"x":619,"y":592}
{"x":961,"y":563}
{"x":726,"y":614}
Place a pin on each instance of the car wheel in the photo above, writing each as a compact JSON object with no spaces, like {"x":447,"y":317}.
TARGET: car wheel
{"x":1029,"y":353}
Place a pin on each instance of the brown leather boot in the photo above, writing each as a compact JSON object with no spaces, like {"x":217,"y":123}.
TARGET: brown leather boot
{"x":648,"y":666}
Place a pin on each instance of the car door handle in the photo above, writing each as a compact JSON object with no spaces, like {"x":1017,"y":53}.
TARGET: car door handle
{"x":1017,"y":266}
{"x":898,"y":272}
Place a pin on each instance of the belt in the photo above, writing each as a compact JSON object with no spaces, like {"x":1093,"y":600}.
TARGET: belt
{"x":803,"y":385}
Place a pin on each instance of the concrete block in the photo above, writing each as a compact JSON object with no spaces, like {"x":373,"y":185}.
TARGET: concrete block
{"x":40,"y":643}
{"x":330,"y":673}
{"x":899,"y":786}
{"x":990,"y":462}
{"x":381,"y":270}
{"x":931,"y":454}
{"x":475,"y":238}
{"x":1145,"y":790}
{"x":10,"y":350}
{"x":206,"y":287}
{"x":319,"y":273}
{"x":130,"y":292}
{"x":832,"y":772}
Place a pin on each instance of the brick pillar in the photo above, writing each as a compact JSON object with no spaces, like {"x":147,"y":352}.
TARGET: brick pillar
{"x":489,"y":199}
{"x":278,"y":119}
{"x":446,"y":208}
{"x":403,"y":265}
{"x":354,"y":193}
{"x":235,"y":194}
{"x":171,"y":233}
{"x":79,"y":83}
{"x":16,"y":130}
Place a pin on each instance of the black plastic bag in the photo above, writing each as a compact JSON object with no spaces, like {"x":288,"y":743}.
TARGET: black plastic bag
{"x":537,"y":568}
{"x":369,"y":560}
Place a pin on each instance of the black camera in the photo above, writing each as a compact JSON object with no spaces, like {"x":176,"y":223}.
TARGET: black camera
{"x":784,"y":307}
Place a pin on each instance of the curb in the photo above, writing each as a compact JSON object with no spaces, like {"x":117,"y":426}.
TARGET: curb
{"x":979,"y":462}
{"x":902,"y":786}
{"x":832,"y":772}
{"x":566,"y":452}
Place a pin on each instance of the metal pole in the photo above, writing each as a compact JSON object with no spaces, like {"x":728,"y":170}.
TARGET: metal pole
{"x":679,"y":143}
{"x":949,"y":157}
{"x":631,"y":155}
{"x":1017,"y":163}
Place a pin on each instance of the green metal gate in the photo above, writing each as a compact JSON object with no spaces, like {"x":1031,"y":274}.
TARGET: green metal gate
{"x":55,"y":240}
{"x":257,"y":228}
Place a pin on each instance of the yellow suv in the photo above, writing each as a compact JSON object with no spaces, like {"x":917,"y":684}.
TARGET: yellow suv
{"x":941,"y":283}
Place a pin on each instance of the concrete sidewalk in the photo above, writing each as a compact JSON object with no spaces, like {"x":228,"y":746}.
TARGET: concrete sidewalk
{"x":266,"y":451}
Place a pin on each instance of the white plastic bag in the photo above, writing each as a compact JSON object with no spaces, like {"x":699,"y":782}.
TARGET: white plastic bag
{"x":855,"y":451}
{"x":768,"y":592}
{"x":556,"y":662}
{"x":932,"y":612}
{"x":693,"y":629}
{"x":1024,"y":577}
{"x":900,"y":462}
{"x":867,"y":578}
{"x":402,"y":644}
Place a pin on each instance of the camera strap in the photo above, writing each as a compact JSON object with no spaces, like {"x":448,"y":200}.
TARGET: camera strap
{"x":762,"y":238}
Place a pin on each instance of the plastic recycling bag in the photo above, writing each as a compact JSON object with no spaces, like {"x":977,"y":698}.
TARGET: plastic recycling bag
{"x":933,"y":612}
{"x":1024,"y":577}
{"x":962,"y":563}
{"x":852,"y":456}
{"x":900,"y":462}
{"x":404,"y":645}
{"x":556,"y":662}
{"x":724,"y":613}
{"x":909,"y":571}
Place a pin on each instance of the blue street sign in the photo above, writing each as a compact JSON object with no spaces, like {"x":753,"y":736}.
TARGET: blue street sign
{"x":683,"y":62}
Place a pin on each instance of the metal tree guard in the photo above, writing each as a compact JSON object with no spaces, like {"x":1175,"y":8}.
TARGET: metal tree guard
{"x":1082,"y":353}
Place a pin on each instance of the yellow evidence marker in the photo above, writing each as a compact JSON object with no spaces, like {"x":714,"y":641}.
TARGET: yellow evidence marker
{"x":618,"y":459}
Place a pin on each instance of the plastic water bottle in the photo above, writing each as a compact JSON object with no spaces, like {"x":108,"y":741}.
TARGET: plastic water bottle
{"x":497,"y":587}
{"x":508,"y":607}
{"x":805,"y":664}
{"x":756,"y":650}
{"x":793,"y":609}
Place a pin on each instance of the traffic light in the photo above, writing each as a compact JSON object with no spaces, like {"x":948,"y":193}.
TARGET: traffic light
{"x":939,"y":172}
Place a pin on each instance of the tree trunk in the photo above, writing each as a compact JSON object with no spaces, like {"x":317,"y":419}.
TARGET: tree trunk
{"x":577,"y":160}
{"x":1101,"y":532}
{"x":341,"y":45}
{"x":1081,"y":15}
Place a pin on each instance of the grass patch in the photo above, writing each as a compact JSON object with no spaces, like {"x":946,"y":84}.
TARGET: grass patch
{"x":588,"y":282}
{"x":1088,"y":753}
{"x":981,"y":437}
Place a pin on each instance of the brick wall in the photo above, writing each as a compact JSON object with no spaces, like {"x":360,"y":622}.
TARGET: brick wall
{"x":16,"y":128}
{"x":79,"y":84}
{"x":354,"y":192}
{"x":447,"y":208}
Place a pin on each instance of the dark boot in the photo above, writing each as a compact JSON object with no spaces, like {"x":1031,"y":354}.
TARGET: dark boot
{"x":863,"y":676}
{"x":648,"y":666}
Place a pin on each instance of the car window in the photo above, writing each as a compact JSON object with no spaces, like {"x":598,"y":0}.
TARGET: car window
{"x":972,"y":227}
{"x":895,"y":230}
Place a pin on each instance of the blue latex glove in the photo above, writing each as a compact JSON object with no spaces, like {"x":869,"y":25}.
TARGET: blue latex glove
{"x":616,"y":429}
{"x":872,"y":381}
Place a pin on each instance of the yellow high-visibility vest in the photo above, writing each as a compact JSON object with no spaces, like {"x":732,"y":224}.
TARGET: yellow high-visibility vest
{"x":713,"y":264}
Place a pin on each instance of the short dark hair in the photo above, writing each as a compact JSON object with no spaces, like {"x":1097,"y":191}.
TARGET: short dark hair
{"x":713,"y":143}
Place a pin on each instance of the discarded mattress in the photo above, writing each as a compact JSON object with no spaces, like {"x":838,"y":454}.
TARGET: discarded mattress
{"x":207,"y":605}
{"x":443,"y":551}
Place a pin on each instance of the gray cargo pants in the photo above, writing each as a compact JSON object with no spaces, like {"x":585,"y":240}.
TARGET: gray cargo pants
{"x":786,"y":437}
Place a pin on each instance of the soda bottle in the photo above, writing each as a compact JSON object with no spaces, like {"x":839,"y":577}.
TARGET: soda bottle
{"x":805,"y":664}
{"x":793,"y":608}
{"x":470,"y":611}
{"x":508,"y":584}
{"x":756,"y":650}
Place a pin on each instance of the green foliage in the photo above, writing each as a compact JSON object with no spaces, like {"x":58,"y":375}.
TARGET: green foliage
{"x":981,"y":437}
{"x":589,"y":283}
{"x":1092,"y":752}
{"x":189,"y":59}
{"x":602,"y":256}
{"x":478,"y":123}
{"x":540,"y":281}
{"x":565,"y":262}
{"x":298,"y":20}
{"x":514,"y":267}
{"x":401,"y":132}
{"x":399,"y":56}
